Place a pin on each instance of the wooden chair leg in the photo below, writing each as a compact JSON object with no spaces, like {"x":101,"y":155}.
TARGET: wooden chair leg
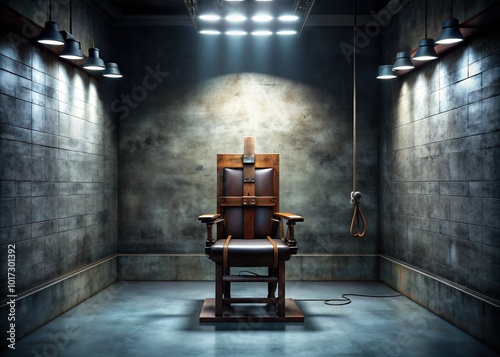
{"x":227,"y":285}
{"x":271,"y":287}
{"x":281,"y":289}
{"x":218,"y":289}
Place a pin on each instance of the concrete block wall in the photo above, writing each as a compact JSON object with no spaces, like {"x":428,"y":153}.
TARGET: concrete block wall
{"x":294,"y":96}
{"x":439,"y":165}
{"x":58,"y":177}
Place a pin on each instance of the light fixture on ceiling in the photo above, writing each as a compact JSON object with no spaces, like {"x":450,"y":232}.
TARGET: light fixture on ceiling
{"x":262,"y":18}
{"x":239,"y":18}
{"x":210,"y":32}
{"x":262,"y":33}
{"x":209,"y":17}
{"x":235,"y":18}
{"x":425,"y":51}
{"x":50,"y":34}
{"x":288,"y":18}
{"x":236,"y":33}
{"x":72,"y":47}
{"x":403,"y":62}
{"x":112,"y":71}
{"x":450,"y":33}
{"x":94,"y":62}
{"x":286,"y":32}
{"x":385,"y":72}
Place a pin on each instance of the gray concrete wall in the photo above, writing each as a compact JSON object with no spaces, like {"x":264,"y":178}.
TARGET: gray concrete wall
{"x":294,"y":96}
{"x":439,"y":168}
{"x":58,"y":177}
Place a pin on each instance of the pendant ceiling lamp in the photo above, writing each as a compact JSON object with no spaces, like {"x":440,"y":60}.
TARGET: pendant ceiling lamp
{"x":451,"y":32}
{"x":50,"y":34}
{"x":94,"y":62}
{"x":403,"y":62}
{"x":425,"y":51}
{"x":72,"y":47}
{"x":112,"y":71}
{"x":385,"y":72}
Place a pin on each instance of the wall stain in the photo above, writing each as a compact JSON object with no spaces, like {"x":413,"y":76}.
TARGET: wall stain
{"x":152,"y":234}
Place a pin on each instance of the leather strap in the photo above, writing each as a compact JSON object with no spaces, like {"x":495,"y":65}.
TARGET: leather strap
{"x":225,"y":251}
{"x":275,"y":248}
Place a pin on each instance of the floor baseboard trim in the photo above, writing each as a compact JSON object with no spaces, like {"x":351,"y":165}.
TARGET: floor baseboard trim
{"x":475,"y":294}
{"x":25,"y":293}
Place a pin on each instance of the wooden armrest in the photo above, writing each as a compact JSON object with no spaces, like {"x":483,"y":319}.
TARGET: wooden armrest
{"x":289,"y":216}
{"x":207,"y":218}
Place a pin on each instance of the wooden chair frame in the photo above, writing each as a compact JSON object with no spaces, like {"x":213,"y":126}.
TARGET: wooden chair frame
{"x":286,"y":309}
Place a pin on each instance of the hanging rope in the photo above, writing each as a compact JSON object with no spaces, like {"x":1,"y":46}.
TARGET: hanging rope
{"x":357,"y":218}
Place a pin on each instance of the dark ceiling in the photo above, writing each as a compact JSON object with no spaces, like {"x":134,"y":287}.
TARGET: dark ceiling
{"x":175,"y":12}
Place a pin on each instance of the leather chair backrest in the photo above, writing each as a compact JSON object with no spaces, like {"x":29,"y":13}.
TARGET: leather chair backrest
{"x":234,"y":216}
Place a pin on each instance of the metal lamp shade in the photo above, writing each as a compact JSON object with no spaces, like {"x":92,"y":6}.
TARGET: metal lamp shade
{"x":94,"y":63}
{"x":50,"y":35}
{"x":72,"y":50}
{"x":385,"y":72}
{"x":426,"y":51}
{"x":112,"y":71}
{"x":450,"y":33}
{"x":403,"y":62}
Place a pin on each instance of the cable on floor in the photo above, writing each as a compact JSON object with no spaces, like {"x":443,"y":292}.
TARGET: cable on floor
{"x":332,"y":302}
{"x":345,"y":300}
{"x":248,"y":273}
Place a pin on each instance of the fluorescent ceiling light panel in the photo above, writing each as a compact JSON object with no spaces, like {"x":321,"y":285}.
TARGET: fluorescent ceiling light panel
{"x":210,"y":32}
{"x":286,"y":32}
{"x":288,"y":18}
{"x":236,"y":33}
{"x":262,"y":18}
{"x":262,"y":33}
{"x":235,"y":18}
{"x":209,"y":17}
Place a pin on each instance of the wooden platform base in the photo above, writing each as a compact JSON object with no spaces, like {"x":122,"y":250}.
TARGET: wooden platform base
{"x":250,"y":313}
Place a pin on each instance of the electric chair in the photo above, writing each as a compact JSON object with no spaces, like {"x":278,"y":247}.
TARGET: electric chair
{"x":250,"y":233}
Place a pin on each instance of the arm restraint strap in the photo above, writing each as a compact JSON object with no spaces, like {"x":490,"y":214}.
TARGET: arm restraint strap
{"x":224,"y":252}
{"x":275,"y":248}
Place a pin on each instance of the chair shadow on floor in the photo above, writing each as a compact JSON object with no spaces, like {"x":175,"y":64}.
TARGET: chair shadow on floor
{"x":251,"y":322}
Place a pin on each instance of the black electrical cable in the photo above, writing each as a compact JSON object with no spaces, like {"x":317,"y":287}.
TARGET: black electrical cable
{"x":247,"y":273}
{"x":332,"y":302}
{"x":345,"y":300}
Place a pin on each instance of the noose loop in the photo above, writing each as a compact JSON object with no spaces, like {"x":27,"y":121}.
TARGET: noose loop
{"x":358,"y":223}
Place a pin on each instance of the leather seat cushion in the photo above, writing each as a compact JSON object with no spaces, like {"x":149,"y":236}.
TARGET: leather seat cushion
{"x":249,"y":252}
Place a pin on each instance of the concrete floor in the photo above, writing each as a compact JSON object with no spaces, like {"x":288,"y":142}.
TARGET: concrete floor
{"x":161,"y":319}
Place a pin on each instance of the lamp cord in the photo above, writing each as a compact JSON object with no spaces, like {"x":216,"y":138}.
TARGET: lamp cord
{"x":70,"y":18}
{"x":425,"y":18}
